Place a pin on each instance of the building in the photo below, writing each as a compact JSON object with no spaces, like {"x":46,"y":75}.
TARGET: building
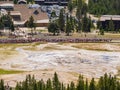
{"x":52,"y":2}
{"x":7,"y":6}
{"x":21,"y":13}
{"x":105,"y":19}
{"x":25,"y":12}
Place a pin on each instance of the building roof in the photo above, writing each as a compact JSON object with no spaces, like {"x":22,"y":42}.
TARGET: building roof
{"x":109,"y":17}
{"x":42,"y":21}
{"x":19,"y":23}
{"x":15,"y":13}
{"x":26,"y":13}
{"x":7,"y":5}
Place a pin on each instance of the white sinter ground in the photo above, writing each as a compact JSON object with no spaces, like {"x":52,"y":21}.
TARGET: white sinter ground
{"x":69,"y":59}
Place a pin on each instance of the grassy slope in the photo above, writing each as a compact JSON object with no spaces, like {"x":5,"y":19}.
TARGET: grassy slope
{"x":2,"y":71}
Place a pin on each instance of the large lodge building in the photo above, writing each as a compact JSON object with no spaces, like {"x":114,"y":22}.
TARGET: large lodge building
{"x":52,"y":2}
{"x":21,"y":12}
{"x":45,"y":2}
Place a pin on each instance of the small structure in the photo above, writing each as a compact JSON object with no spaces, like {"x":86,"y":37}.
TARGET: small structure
{"x":16,"y":15}
{"x":42,"y":23}
{"x":109,"y":17}
{"x":19,"y":23}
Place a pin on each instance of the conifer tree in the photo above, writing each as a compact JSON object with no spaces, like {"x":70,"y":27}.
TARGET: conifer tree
{"x":61,"y":20}
{"x":12,"y":28}
{"x":2,"y":85}
{"x":49,"y":85}
{"x":80,"y":85}
{"x":53,"y":28}
{"x":31,"y":24}
{"x":70,"y":6}
{"x":111,"y":25}
{"x":92,"y":85}
{"x":68,"y":87}
{"x":68,"y":26}
{"x":1,"y":23}
{"x":56,"y":82}
{"x":72,"y":86}
{"x":15,"y":1}
{"x":86,"y":85}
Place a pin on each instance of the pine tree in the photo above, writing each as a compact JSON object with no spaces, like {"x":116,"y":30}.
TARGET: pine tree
{"x":61,"y":20}
{"x":86,"y":85}
{"x":101,"y":84}
{"x":53,"y":28}
{"x":79,"y":8}
{"x":71,"y":24}
{"x":68,"y":87}
{"x":84,"y":24}
{"x":84,"y":9}
{"x":70,"y":6}
{"x":18,"y":86}
{"x":78,"y":26}
{"x":31,"y":24}
{"x":2,"y":85}
{"x":15,"y":1}
{"x":68,"y":26}
{"x":72,"y":86}
{"x":111,"y":25}
{"x":80,"y":85}
{"x":41,"y":85}
{"x":12,"y":28}
{"x":56,"y":82}
{"x":49,"y":85}
{"x":92,"y":85}
{"x":1,"y":23}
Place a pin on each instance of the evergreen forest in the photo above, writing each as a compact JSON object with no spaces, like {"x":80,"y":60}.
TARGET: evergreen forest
{"x":102,"y":7}
{"x":106,"y":82}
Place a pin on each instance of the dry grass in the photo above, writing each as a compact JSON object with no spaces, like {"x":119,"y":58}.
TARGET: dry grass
{"x":118,"y":68}
{"x":8,"y":50}
{"x":95,"y":46}
{"x":75,"y":74}
{"x":5,"y":54}
{"x":90,"y":46}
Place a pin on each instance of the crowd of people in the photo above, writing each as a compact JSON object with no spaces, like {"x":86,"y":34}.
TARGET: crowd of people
{"x":75,"y":40}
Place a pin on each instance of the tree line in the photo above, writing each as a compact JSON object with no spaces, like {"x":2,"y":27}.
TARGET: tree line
{"x":106,"y":82}
{"x":68,"y":23}
{"x":102,"y":7}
